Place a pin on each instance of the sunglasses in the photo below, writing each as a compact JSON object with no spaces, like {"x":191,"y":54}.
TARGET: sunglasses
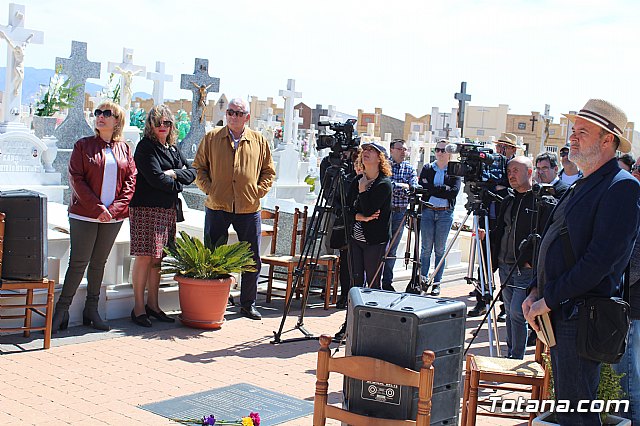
{"x":231,"y":113}
{"x":635,"y":167}
{"x":106,"y":113}
{"x":564,"y":153}
{"x":442,"y":150}
{"x":165,"y":123}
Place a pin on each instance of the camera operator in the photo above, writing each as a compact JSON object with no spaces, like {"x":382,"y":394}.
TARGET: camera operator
{"x":547,"y":172}
{"x":336,"y":238}
{"x":369,"y":205}
{"x":516,"y":221}
{"x":437,"y":211}
{"x":403,"y":178}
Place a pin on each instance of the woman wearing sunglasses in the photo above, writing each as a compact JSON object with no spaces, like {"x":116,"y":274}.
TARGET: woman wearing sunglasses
{"x":437,"y":211}
{"x":102,"y":176}
{"x":162,"y":172}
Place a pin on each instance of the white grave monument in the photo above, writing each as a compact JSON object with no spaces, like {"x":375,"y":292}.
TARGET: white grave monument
{"x":159,"y":77}
{"x":17,"y":38}
{"x":127,"y":71}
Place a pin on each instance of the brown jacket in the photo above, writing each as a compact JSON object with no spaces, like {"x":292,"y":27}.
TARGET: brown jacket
{"x":86,"y":170}
{"x":234,"y":181}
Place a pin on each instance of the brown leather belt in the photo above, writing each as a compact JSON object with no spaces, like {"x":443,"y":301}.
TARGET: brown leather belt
{"x":438,"y":209}
{"x":398,"y":209}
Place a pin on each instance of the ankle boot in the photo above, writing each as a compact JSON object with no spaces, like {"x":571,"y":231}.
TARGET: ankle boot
{"x":60,"y":320}
{"x":90,"y":316}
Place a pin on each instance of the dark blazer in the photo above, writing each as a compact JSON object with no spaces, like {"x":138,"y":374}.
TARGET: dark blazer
{"x":153,"y":187}
{"x":447,"y":191}
{"x":378,"y":197}
{"x":560,"y":187}
{"x":602,"y":217}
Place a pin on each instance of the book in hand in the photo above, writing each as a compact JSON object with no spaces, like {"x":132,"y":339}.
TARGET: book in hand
{"x":546,"y":330}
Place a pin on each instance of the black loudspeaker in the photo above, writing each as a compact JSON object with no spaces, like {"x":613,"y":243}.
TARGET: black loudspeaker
{"x":398,"y":327}
{"x":25,"y":235}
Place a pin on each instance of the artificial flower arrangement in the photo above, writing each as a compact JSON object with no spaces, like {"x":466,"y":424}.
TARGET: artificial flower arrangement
{"x":253,"y":419}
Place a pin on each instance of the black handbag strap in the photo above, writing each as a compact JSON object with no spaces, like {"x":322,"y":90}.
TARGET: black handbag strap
{"x":570,"y":261}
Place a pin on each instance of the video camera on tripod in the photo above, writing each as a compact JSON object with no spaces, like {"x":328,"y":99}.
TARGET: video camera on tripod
{"x":342,"y":139}
{"x":477,"y":163}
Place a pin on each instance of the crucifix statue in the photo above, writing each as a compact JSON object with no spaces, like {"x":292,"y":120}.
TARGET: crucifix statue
{"x":202,"y":97}
{"x":127,"y":70}
{"x":17,"y":38}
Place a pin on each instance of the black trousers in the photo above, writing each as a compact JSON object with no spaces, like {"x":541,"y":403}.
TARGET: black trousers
{"x":365,"y":260}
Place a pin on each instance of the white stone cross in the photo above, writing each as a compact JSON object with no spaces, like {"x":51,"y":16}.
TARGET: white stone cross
{"x":627,"y":131}
{"x":159,"y":77}
{"x":127,"y":70}
{"x":17,"y":38}
{"x":270,"y":121}
{"x":297,"y":121}
{"x":331,"y":111}
{"x":289,"y":95}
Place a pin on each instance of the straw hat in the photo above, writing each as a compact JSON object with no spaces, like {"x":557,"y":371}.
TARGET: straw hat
{"x":607,"y":116}
{"x":508,"y":139}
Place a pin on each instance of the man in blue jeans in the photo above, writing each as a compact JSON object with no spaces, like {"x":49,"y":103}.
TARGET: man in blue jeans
{"x":403,"y":178}
{"x":597,"y":219}
{"x":516,"y":221}
{"x":235,"y":170}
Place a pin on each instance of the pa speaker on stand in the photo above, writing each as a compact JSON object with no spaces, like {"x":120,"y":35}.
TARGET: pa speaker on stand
{"x":398,"y":327}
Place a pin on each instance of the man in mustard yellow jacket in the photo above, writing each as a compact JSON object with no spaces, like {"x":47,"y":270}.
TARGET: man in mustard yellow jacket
{"x":235,"y":170}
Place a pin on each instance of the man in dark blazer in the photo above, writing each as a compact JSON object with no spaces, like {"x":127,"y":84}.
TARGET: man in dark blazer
{"x":601,"y":214}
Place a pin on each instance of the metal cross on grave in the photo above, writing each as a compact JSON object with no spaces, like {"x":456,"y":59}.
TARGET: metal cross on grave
{"x":159,"y":77}
{"x":289,"y":96}
{"x":127,"y":71}
{"x":200,"y":83}
{"x":17,"y":38}
{"x":78,"y":69}
{"x":533,"y":120}
{"x":462,"y":98}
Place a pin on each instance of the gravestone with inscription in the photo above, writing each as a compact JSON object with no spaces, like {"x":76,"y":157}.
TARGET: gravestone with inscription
{"x":200,"y":83}
{"x":21,"y":165}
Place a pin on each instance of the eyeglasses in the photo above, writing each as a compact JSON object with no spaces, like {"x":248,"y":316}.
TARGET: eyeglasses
{"x":401,"y":149}
{"x":106,"y":113}
{"x":635,"y":167}
{"x":442,"y":150}
{"x":165,"y":123}
{"x":231,"y":113}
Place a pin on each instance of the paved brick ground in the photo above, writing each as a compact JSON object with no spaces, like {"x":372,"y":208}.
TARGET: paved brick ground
{"x":88,"y":377}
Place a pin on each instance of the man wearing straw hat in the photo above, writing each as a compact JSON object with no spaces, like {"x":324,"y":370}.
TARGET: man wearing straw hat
{"x":600,"y":214}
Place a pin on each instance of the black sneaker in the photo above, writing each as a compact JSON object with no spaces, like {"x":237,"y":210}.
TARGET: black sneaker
{"x":479,"y":310}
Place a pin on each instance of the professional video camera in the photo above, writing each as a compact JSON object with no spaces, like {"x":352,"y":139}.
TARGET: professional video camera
{"x":477,"y":164}
{"x":342,"y":139}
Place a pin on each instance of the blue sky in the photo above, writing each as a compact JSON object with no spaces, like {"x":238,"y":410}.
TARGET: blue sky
{"x":400,"y":56}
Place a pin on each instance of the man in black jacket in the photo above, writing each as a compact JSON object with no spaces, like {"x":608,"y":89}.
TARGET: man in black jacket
{"x":516,"y":221}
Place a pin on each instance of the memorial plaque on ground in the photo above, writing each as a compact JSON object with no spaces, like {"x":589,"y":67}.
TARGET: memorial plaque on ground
{"x":234,"y":402}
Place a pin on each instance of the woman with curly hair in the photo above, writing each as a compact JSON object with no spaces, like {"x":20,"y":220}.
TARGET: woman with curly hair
{"x":162,"y":173}
{"x":102,"y":177}
{"x":369,"y":205}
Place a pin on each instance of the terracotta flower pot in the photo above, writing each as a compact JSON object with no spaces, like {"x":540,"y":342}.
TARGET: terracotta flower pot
{"x":203,"y":302}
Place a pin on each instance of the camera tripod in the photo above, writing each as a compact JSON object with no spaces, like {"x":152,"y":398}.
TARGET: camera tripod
{"x":481,"y":249}
{"x":326,"y":205}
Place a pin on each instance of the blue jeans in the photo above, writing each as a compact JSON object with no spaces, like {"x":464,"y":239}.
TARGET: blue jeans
{"x":575,"y":378}
{"x":248,"y":228}
{"x":434,"y":230}
{"x":630,"y":366}
{"x":513,"y":294}
{"x":396,"y":221}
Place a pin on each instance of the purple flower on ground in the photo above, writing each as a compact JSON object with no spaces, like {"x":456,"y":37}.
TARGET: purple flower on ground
{"x":210,"y":420}
{"x":256,"y":418}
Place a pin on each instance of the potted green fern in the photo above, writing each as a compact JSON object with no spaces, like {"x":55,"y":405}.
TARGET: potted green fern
{"x":204,"y":277}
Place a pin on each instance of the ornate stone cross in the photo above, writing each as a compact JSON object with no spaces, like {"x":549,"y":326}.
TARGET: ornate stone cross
{"x":127,"y":71}
{"x":463,"y":97}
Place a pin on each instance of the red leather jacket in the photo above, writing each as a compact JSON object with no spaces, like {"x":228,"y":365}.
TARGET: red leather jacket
{"x":86,"y":170}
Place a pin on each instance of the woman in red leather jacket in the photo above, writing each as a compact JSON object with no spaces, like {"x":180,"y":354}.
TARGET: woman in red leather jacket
{"x":102,"y":176}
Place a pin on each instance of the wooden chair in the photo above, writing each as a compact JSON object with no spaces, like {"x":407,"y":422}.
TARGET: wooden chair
{"x":366,"y":368}
{"x":291,"y":260}
{"x":482,"y":372}
{"x":25,"y":289}
{"x":331,"y":276}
